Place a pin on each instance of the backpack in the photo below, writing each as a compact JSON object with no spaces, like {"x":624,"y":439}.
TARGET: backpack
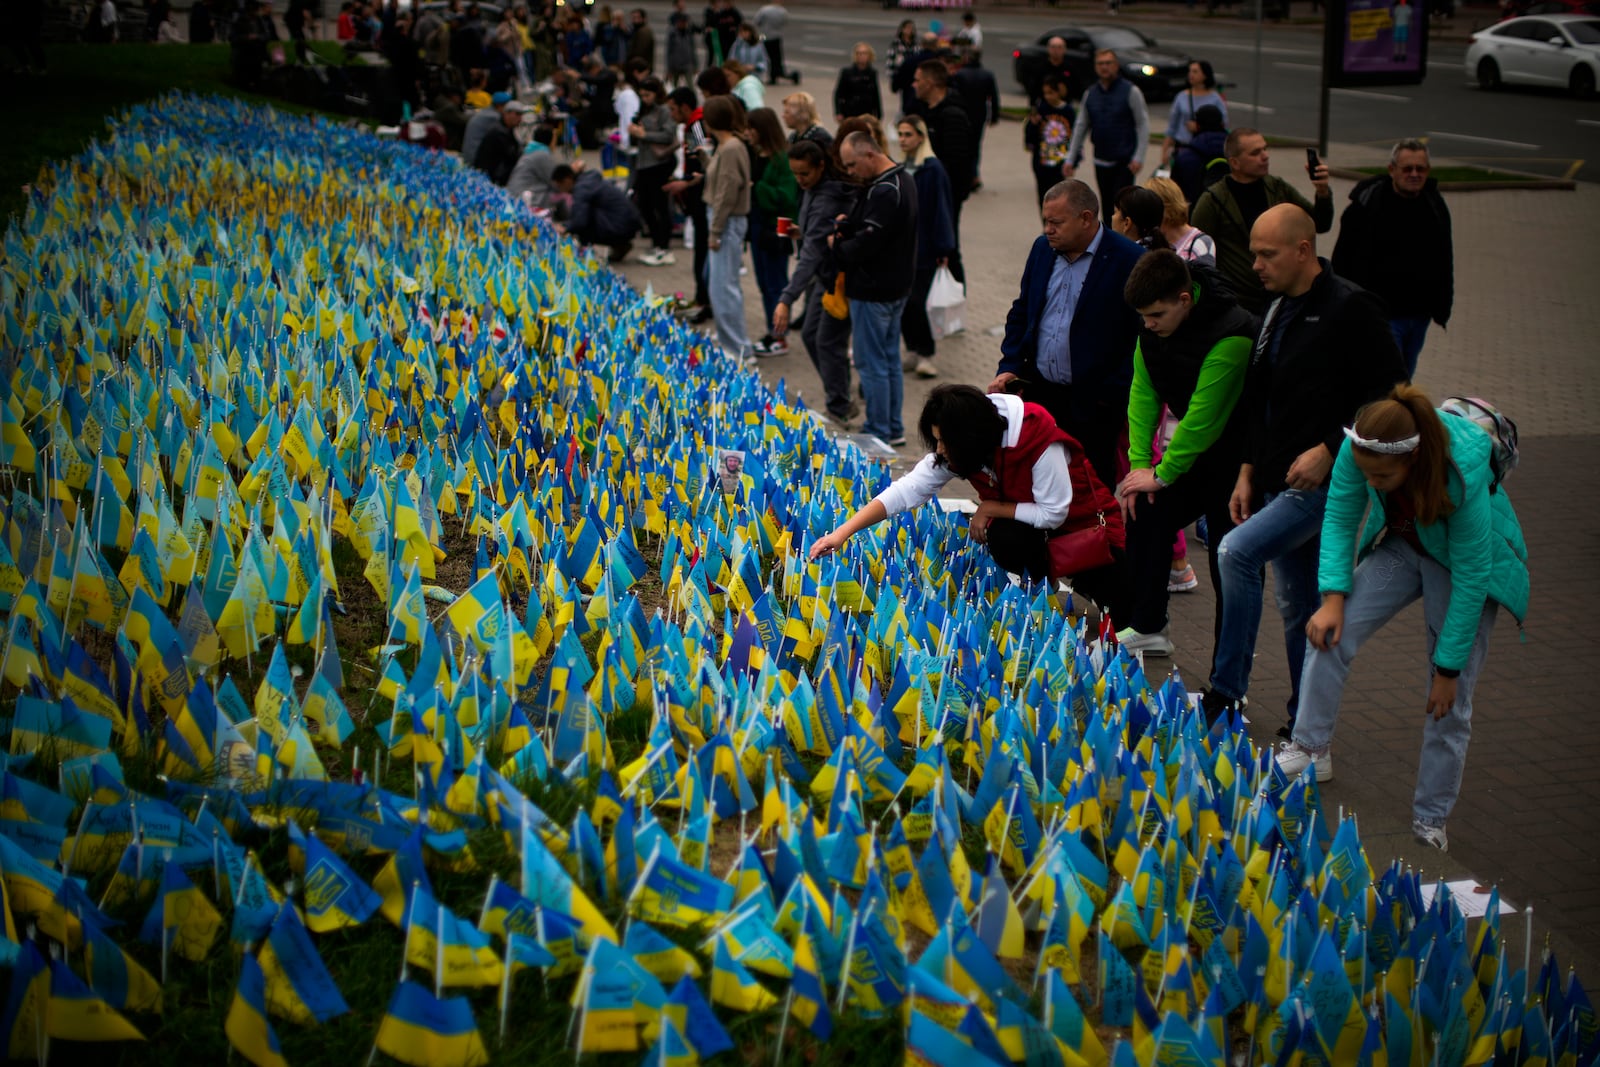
{"x":1497,"y":424}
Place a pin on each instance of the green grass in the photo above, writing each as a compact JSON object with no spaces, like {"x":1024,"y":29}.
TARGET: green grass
{"x":88,"y":85}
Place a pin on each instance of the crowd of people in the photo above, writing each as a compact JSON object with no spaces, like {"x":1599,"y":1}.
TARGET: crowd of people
{"x":1178,"y":351}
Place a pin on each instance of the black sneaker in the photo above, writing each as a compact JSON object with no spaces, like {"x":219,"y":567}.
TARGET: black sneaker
{"x":897,"y":442}
{"x":1215,"y":705}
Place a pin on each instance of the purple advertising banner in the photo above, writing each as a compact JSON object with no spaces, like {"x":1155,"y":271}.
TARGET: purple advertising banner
{"x":1381,"y":37}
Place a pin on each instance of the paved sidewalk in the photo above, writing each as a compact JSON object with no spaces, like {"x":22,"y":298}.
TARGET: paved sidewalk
{"x":1523,"y":335}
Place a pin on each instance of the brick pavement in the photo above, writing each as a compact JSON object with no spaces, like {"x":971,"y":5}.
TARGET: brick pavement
{"x":1523,"y":334}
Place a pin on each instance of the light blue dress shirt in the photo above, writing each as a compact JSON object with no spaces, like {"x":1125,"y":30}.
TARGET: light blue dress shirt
{"x":1060,"y":304}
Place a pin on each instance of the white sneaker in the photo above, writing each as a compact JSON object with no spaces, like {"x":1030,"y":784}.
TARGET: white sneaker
{"x":1292,"y":760}
{"x":1156,"y":644}
{"x":1432,"y":836}
{"x":659,"y":257}
{"x":925,"y":368}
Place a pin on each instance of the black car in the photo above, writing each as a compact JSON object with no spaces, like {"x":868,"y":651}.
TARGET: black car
{"x":1160,"y":73}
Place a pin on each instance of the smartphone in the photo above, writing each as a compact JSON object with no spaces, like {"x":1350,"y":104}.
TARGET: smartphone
{"x":1312,"y":162}
{"x":1016,"y":386}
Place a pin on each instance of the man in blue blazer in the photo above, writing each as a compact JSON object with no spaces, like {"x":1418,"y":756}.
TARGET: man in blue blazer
{"x":1070,"y":335}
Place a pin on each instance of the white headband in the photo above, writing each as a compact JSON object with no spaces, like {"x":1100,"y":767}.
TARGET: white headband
{"x":1388,"y":448}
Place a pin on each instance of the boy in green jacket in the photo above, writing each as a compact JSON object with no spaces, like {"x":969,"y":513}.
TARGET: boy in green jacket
{"x":1193,"y":350}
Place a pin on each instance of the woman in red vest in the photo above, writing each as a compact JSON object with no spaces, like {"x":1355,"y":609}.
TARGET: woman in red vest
{"x":1034,"y":484}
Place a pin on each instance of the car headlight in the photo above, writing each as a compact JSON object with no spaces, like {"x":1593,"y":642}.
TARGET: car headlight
{"x":1147,"y":70}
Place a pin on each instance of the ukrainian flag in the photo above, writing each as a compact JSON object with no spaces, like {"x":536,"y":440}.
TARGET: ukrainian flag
{"x":114,"y":973}
{"x":26,"y":1006}
{"x":671,"y":1049}
{"x":185,"y":918}
{"x":810,"y":1002}
{"x":546,"y":882}
{"x":734,"y":987}
{"x":76,"y":1013}
{"x":436,"y":938}
{"x":298,"y":985}
{"x":424,"y":1031}
{"x":678,"y":895}
{"x":335,"y":896}
{"x":247,"y":1026}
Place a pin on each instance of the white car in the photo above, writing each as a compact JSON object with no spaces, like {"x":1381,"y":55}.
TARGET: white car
{"x":1559,"y":50}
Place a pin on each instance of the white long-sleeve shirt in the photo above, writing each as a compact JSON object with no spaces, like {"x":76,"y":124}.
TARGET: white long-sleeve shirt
{"x":1052,"y":481}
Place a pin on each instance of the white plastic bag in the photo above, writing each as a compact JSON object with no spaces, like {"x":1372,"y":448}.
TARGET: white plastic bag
{"x":947,"y":303}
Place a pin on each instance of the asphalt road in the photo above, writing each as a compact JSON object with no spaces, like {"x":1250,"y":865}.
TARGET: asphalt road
{"x":1538,"y":131}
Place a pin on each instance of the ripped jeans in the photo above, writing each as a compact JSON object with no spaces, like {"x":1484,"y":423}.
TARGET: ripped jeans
{"x":1287,"y":534}
{"x":1390,"y":578}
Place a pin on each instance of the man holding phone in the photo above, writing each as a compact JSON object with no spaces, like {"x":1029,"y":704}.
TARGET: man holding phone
{"x":1228,"y":209}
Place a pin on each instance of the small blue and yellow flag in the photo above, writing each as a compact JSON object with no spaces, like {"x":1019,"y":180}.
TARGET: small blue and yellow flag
{"x":424,"y":1031}
{"x":437,"y":939}
{"x":676,"y":894}
{"x":335,"y":895}
{"x":78,"y":1013}
{"x":298,"y":985}
{"x":734,"y":987}
{"x":248,"y":1028}
{"x":182,"y":918}
{"x":27,"y":1004}
{"x":116,"y":976}
{"x":810,"y":1002}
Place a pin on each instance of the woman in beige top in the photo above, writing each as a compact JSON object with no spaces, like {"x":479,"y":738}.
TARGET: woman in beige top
{"x":728,"y":205}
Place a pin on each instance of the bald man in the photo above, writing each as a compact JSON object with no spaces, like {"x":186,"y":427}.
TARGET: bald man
{"x":1324,"y":350}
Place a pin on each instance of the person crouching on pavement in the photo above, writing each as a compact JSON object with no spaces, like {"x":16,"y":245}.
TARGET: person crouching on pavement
{"x":1033,"y":480}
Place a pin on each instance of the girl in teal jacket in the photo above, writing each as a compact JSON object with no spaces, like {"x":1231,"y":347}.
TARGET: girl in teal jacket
{"x":1411,"y":514}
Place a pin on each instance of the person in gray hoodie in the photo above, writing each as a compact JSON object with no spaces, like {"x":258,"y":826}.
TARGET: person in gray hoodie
{"x":825,"y":195}
{"x":532,"y":173}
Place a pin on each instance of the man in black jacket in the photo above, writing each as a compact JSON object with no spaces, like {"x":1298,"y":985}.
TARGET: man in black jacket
{"x":497,"y":154}
{"x":980,"y":97}
{"x":950,"y":134}
{"x":1324,"y":350}
{"x":601,"y":213}
{"x":876,"y":247}
{"x":1394,"y":241}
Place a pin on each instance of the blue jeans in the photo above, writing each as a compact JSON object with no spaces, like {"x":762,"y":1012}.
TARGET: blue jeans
{"x":771,"y":269}
{"x":722,"y":285}
{"x":875,"y":328}
{"x":1409,"y":332}
{"x":1286,"y":533}
{"x":1393,"y":576}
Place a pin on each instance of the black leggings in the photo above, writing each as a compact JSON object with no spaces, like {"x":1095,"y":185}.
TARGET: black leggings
{"x":914,"y":324}
{"x":1202,"y":491}
{"x":651,"y":200}
{"x":1023,"y":549}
